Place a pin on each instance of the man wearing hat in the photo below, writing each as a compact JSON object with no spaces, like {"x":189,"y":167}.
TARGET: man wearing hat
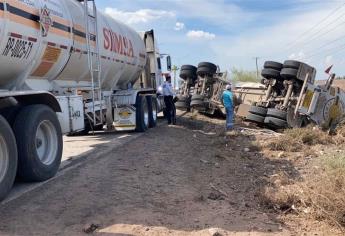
{"x":227,"y":99}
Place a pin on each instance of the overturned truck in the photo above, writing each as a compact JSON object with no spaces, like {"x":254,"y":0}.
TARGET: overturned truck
{"x":292,"y":99}
{"x":202,"y":88}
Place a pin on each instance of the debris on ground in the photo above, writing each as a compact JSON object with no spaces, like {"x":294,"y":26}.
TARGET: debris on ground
{"x":91,"y":228}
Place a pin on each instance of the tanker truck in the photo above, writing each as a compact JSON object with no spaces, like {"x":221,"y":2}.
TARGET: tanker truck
{"x":65,"y":68}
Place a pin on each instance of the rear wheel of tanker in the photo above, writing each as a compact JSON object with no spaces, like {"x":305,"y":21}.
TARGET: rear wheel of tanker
{"x":39,"y":141}
{"x":152,"y":105}
{"x":8,"y":158}
{"x":142,"y":114}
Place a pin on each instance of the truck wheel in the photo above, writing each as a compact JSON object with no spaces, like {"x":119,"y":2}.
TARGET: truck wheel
{"x":209,"y":65}
{"x":273,"y":65}
{"x":198,"y":97}
{"x":39,"y":140}
{"x":261,"y":111}
{"x":270,"y":73}
{"x":8,"y":158}
{"x":275,"y":122}
{"x":277,"y":113}
{"x":255,"y":118}
{"x":188,"y":71}
{"x":289,"y":73}
{"x":182,"y":103}
{"x":197,"y":103}
{"x":292,"y":64}
{"x":142,"y":114}
{"x":152,"y":105}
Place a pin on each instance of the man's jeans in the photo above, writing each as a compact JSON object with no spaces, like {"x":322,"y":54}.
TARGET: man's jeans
{"x":229,"y":118}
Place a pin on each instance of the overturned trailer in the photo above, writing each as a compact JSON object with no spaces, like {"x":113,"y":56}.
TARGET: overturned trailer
{"x":202,"y":88}
{"x":292,"y":99}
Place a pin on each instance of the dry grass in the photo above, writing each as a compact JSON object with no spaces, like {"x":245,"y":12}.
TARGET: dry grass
{"x":279,"y":198}
{"x":325,"y":190}
{"x":293,"y":140}
{"x":321,"y":195}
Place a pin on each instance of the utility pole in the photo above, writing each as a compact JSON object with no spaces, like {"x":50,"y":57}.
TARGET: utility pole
{"x":175,"y":69}
{"x":257,"y":67}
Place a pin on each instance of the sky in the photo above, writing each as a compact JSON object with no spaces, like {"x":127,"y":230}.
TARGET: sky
{"x":232,"y":33}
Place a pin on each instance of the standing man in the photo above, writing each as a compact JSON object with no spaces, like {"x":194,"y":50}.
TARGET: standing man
{"x":229,"y":107}
{"x":169,"y":94}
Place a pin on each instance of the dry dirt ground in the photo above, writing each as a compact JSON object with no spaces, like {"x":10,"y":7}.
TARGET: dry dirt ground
{"x":189,"y":179}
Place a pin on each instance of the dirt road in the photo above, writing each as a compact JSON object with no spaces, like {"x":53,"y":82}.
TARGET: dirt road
{"x":180,"y":180}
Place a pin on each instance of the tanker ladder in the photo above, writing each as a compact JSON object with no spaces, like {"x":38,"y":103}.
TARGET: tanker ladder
{"x":94,"y":61}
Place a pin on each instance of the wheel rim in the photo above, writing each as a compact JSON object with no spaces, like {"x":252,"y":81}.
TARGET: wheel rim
{"x":154,"y":111}
{"x":4,"y":158}
{"x":46,"y":142}
{"x":146,"y":114}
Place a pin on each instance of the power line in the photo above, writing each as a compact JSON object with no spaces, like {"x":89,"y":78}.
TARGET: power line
{"x":329,"y":43}
{"x":315,"y":26}
{"x":330,"y":51}
{"x":325,"y":33}
{"x":330,"y":30}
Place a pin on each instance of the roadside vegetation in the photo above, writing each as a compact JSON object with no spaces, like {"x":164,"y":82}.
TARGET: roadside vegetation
{"x":239,"y":75}
{"x":320,"y":192}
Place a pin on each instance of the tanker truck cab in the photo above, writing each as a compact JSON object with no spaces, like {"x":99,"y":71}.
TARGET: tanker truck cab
{"x":68,"y":69}
{"x":138,"y":106}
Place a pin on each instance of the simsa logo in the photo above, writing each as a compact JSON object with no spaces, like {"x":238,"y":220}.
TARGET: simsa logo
{"x":117,"y":43}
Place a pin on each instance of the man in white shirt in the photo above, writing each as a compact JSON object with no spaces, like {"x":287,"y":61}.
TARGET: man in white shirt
{"x":169,"y":94}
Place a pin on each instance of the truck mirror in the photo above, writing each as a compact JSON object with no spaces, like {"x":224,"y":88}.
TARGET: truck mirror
{"x":168,"y":63}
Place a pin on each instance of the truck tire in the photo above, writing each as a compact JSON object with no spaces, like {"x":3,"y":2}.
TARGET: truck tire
{"x":261,"y":111}
{"x":270,"y":73}
{"x":189,"y":67}
{"x":209,"y":65}
{"x":188,"y":71}
{"x":273,"y":65}
{"x":39,"y":141}
{"x":10,"y":114}
{"x":289,"y":73}
{"x":181,"y":105}
{"x":275,"y":122}
{"x":277,"y":114}
{"x":187,"y":74}
{"x":255,"y":118}
{"x":197,"y":103}
{"x":205,"y":71}
{"x":198,"y":97}
{"x":142,"y":114}
{"x":292,"y":64}
{"x":153,"y":111}
{"x":8,"y":158}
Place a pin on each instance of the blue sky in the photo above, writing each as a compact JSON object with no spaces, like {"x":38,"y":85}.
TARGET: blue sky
{"x":230,"y":33}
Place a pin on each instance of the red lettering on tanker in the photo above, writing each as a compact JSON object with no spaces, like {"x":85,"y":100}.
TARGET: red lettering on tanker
{"x":117,"y":43}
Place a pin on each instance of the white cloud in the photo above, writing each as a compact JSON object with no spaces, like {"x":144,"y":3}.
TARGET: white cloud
{"x":219,"y":13}
{"x":199,"y":34}
{"x":300,"y":56}
{"x":329,"y":60}
{"x":139,"y":16}
{"x":179,"y":26}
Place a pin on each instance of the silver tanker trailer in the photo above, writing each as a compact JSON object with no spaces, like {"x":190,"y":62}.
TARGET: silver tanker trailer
{"x":66,"y":68}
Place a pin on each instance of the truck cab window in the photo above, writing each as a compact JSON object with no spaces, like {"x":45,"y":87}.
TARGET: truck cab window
{"x":159,"y":63}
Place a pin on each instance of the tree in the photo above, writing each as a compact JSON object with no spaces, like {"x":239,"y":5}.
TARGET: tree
{"x":239,"y":75}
